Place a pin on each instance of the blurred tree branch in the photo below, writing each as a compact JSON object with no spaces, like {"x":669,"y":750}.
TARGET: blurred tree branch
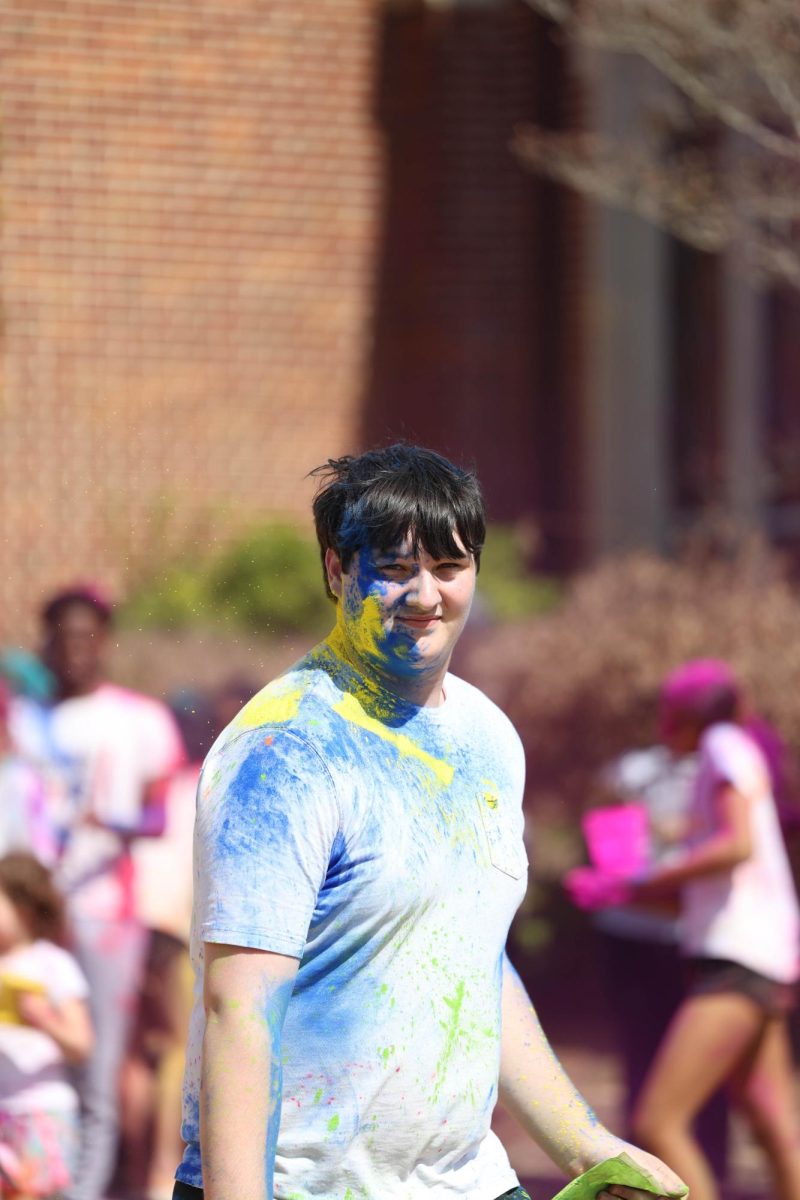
{"x":718,"y":162}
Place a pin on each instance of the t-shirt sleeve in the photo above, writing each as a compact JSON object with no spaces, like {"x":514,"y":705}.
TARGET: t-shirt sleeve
{"x":267,"y":819}
{"x":731,"y":757}
{"x":65,"y":979}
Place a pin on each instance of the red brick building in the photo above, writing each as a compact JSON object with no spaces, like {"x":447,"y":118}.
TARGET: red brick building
{"x":191,"y":193}
{"x":239,"y":236}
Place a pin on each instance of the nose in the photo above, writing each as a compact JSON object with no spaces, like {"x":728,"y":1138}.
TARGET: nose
{"x":424,"y":591}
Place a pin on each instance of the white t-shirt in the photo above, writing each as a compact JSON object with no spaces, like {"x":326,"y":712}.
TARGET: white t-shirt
{"x":750,"y":914}
{"x":101,"y":751}
{"x":382,"y":845}
{"x":164,"y":864}
{"x":34,"y":1075}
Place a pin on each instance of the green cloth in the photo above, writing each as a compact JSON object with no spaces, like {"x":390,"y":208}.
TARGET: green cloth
{"x":621,"y":1169}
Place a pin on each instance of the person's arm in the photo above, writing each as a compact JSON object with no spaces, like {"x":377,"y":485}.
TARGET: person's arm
{"x":730,"y":844}
{"x":245,"y":996}
{"x":536,"y":1089}
{"x":153,"y":819}
{"x":150,"y":820}
{"x":68,"y":1023}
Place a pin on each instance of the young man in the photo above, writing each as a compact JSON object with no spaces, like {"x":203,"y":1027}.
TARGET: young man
{"x":107,"y":753}
{"x":359,"y":858}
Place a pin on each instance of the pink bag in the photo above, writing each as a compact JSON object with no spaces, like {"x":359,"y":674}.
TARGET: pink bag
{"x":617,"y":839}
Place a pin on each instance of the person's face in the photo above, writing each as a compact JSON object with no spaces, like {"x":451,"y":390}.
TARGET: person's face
{"x":403,"y":613}
{"x":75,"y":647}
{"x":677,"y":730}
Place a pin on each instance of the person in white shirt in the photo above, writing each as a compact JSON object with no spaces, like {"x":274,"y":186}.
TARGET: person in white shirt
{"x":44,"y":1029}
{"x":359,"y":856}
{"x":108,"y":753}
{"x":739,"y":933}
{"x":639,"y":943}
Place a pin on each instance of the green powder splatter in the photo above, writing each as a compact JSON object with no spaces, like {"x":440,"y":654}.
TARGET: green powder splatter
{"x":317,"y":1095}
{"x":333,"y":1124}
{"x":451,"y":1028}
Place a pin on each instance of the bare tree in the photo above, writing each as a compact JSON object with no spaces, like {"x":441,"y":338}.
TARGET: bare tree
{"x":719,"y":163}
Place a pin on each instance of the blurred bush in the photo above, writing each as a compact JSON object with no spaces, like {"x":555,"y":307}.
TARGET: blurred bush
{"x":506,"y":587}
{"x":581,"y":681}
{"x":271,"y":580}
{"x":267,"y":581}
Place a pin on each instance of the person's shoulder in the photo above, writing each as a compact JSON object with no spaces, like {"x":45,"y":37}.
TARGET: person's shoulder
{"x":470,"y":699}
{"x":290,"y":700}
{"x":726,"y":738}
{"x":52,"y":953}
{"x":290,"y":707}
{"x":128,"y":701}
{"x":728,"y":748}
{"x":59,"y":968}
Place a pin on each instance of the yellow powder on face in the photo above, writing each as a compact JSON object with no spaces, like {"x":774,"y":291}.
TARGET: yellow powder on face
{"x":277,"y":703}
{"x":366,"y":633}
{"x":349,"y":708}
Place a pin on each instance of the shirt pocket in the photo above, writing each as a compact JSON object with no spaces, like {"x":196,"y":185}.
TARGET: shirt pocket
{"x":504,"y":836}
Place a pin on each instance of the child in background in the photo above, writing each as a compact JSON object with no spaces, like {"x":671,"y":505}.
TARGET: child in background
{"x":44,"y":1027}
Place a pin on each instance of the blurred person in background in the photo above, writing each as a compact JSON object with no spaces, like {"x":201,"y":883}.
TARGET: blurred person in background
{"x":109,"y":753}
{"x":739,"y":934}
{"x":44,"y":1027}
{"x":153,"y":1074}
{"x":639,"y":941}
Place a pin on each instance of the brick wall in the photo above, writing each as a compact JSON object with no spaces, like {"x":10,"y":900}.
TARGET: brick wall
{"x":481,"y":272}
{"x":190,"y":191}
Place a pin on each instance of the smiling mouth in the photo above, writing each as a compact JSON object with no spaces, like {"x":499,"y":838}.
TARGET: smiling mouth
{"x":419,"y":621}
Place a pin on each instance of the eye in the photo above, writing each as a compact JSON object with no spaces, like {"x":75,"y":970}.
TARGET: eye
{"x":449,"y":569}
{"x":395,"y":570}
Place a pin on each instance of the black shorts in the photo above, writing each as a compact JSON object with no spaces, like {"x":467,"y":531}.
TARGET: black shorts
{"x":710,"y":976}
{"x":183,"y":1191}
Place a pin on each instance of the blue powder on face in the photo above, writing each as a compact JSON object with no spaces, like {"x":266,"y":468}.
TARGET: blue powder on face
{"x":397,"y":650}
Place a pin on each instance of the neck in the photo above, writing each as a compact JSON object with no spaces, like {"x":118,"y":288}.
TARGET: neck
{"x":71,"y":691}
{"x":423,"y":689}
{"x":20,"y":943}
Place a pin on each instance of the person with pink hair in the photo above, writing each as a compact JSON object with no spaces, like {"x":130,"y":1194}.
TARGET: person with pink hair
{"x":740,"y":929}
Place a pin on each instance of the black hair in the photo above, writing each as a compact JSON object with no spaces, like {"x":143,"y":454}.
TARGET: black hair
{"x":377,"y":498}
{"x":85,"y":595}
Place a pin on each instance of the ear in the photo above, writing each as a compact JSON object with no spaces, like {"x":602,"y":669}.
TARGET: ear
{"x":333,"y":568}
